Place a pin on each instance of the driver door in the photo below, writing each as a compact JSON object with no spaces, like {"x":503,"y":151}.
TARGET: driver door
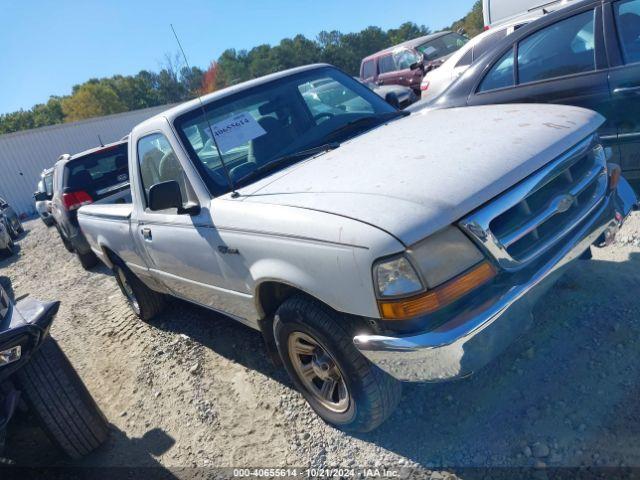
{"x":181,"y":249}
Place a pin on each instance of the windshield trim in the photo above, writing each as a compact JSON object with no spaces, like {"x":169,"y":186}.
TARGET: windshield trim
{"x":214,"y":189}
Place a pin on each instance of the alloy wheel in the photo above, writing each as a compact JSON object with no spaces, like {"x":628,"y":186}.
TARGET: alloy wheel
{"x":319,"y":372}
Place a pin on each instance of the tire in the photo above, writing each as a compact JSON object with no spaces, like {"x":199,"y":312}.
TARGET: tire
{"x":57,"y":396}
{"x":11,"y":230}
{"x":372,"y":393}
{"x":19,"y":229}
{"x":65,"y":242}
{"x":144,"y":302}
{"x":88,"y":260}
{"x":9,"y":251}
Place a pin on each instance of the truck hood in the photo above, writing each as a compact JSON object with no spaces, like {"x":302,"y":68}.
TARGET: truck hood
{"x":414,"y":176}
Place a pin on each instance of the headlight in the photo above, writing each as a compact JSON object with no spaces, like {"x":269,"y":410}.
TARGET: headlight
{"x":444,"y":255}
{"x":396,"y":277}
{"x":450,"y":265}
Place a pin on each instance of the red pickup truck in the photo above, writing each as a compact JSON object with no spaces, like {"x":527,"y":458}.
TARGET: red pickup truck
{"x":406,"y":63}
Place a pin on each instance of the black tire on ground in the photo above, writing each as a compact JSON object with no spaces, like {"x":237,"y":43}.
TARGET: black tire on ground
{"x":11,"y":230}
{"x":373,"y":394}
{"x":20,"y":228}
{"x":9,"y":251}
{"x":57,"y":396}
{"x":88,"y":260}
{"x":65,"y":242}
{"x":144,"y":302}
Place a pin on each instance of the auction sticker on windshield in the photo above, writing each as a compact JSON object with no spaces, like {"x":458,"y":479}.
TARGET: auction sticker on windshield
{"x":235,"y":130}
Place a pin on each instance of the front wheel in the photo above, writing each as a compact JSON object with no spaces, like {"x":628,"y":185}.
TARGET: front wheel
{"x":340,"y":384}
{"x":144,"y":302}
{"x":59,"y":398}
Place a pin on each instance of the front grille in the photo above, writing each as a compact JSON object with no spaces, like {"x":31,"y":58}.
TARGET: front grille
{"x":526,"y":221}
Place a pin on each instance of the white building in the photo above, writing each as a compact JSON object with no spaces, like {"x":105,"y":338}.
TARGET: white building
{"x":23,"y":155}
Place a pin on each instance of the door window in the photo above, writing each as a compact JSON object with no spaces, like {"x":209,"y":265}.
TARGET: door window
{"x":48,"y":184}
{"x":564,"y":48}
{"x":627,"y":14}
{"x":500,"y":76}
{"x":159,"y":163}
{"x":387,"y":64}
{"x":466,"y":60}
{"x":368,"y":69}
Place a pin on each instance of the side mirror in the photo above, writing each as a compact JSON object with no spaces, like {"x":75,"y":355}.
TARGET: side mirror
{"x":40,"y":196}
{"x":166,"y":195}
{"x":417,"y":66}
{"x":392,"y":99}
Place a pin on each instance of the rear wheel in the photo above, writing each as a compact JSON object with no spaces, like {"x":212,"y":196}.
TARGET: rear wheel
{"x":144,"y":302}
{"x":88,"y":260}
{"x":59,"y":398}
{"x":340,"y":384}
{"x":65,"y":241}
{"x":11,"y":230}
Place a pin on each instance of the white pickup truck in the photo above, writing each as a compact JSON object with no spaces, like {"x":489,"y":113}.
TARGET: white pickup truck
{"x":369,"y":246}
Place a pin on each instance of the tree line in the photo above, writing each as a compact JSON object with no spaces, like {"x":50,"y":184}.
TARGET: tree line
{"x":176,"y":83}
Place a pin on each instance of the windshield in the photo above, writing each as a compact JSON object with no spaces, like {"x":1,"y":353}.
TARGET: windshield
{"x":260,"y":125}
{"x":442,"y":46}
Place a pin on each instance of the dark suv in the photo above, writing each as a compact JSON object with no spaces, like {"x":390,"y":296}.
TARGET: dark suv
{"x":406,"y":63}
{"x":82,"y":179}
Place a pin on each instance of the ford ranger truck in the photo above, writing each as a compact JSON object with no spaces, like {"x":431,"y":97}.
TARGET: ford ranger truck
{"x":369,"y":246}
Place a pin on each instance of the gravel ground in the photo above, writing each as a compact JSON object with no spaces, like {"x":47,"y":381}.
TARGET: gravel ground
{"x":197,"y":389}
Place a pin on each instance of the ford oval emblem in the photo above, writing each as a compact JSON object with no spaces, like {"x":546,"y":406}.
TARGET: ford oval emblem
{"x":564,"y":203}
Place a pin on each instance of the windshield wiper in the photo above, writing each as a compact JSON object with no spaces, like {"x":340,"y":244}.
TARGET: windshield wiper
{"x":373,"y":120}
{"x":273,"y":164}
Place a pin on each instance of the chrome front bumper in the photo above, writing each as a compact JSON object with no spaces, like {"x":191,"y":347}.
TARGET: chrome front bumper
{"x":466,"y":342}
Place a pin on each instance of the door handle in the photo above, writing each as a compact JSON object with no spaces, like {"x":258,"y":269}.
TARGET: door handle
{"x":146,"y":233}
{"x":627,"y":91}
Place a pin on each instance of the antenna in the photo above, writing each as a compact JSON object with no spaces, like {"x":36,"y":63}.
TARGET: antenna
{"x":234,"y":194}
{"x":100,"y":140}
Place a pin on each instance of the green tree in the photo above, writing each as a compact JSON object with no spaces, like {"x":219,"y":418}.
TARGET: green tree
{"x":92,"y":99}
{"x":48,"y":113}
{"x":472,"y":23}
{"x":406,"y":31}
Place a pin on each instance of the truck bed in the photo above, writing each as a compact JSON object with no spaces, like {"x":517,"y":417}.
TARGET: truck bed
{"x":106,"y":226}
{"x":120,"y":211}
{"x":115,"y":207}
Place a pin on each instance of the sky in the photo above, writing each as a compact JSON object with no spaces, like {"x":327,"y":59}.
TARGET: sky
{"x":48,"y":46}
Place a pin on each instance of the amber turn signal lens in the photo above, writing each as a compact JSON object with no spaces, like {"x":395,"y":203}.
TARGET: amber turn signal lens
{"x":438,"y":298}
{"x":615,"y":172}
